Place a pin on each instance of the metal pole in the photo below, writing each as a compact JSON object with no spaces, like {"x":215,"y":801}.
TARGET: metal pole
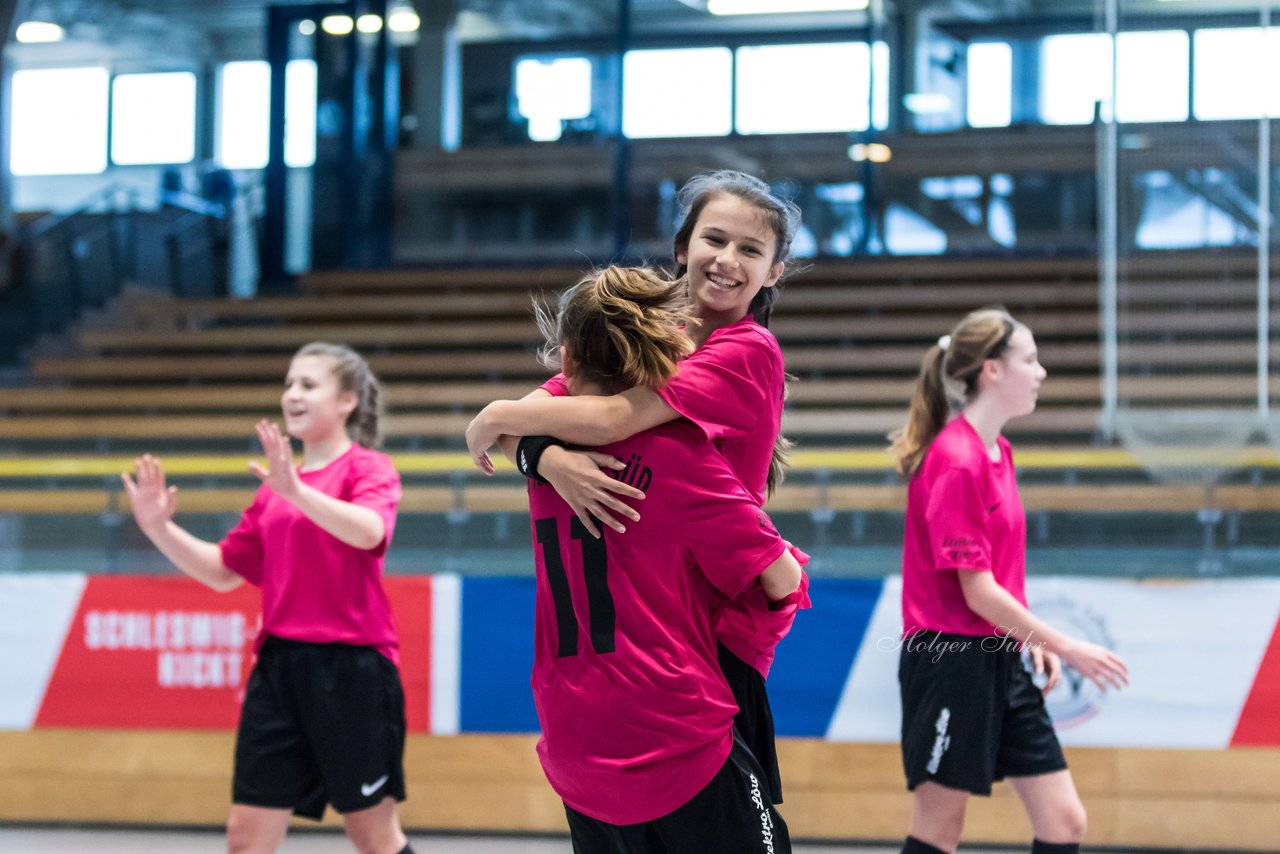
{"x":1109,"y":240}
{"x":621,"y":195}
{"x":275,"y":176}
{"x":1264,"y":247}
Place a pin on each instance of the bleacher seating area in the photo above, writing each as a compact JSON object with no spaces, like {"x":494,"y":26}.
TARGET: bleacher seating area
{"x":183,"y":376}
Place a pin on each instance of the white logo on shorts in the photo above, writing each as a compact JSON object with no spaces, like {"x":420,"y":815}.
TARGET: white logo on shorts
{"x":766,"y":820}
{"x":368,"y":789}
{"x":941,"y":743}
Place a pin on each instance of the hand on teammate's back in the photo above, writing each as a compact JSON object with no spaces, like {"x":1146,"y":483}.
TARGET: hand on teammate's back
{"x":581,"y":480}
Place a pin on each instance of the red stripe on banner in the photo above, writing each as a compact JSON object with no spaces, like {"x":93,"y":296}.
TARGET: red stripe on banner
{"x":153,"y":653}
{"x":1259,"y":722}
{"x":411,"y":605}
{"x":156,"y":653}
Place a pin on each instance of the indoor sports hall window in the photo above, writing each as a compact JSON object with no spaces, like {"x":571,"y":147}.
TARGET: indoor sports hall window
{"x":1236,"y":73}
{"x":551,"y":91}
{"x":680,"y":92}
{"x":1153,"y":70}
{"x":808,"y":88}
{"x":244,"y":106}
{"x":1076,"y":74}
{"x":153,"y":118}
{"x":69,"y":140}
{"x":989,"y":100}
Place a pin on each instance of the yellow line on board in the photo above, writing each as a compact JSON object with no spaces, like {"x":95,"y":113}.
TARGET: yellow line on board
{"x":444,"y":462}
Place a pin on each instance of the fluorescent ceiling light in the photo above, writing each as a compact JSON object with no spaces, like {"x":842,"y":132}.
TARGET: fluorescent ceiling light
{"x":337,"y":25}
{"x":924,"y":103}
{"x":403,"y":20}
{"x":876,"y":152}
{"x":38,"y":32}
{"x":369,"y":23}
{"x":775,"y":7}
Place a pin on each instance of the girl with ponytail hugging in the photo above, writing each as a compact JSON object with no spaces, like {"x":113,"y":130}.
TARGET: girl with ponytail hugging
{"x":973,"y":715}
{"x":637,"y":718}
{"x":731,"y":252}
{"x":323,"y":719}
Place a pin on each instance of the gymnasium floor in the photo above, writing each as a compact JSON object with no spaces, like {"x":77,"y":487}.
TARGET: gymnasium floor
{"x":23,"y":840}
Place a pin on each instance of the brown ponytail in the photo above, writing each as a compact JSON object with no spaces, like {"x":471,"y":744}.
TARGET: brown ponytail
{"x":622,"y":325}
{"x":780,"y":459}
{"x":948,"y":379}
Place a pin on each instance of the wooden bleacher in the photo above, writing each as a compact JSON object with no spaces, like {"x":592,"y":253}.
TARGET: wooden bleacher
{"x":446,"y":341}
{"x":508,"y":498}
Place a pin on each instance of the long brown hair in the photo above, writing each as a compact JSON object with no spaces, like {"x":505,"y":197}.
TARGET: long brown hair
{"x":949,"y":379}
{"x":621,"y":325}
{"x":783,"y":218}
{"x":364,"y":424}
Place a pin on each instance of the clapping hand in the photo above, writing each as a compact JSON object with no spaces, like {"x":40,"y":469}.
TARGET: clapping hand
{"x":153,"y":503}
{"x":280,"y":473}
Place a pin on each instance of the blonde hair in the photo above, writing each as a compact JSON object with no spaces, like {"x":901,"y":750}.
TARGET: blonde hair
{"x":949,"y":379}
{"x":621,"y":325}
{"x":364,"y":424}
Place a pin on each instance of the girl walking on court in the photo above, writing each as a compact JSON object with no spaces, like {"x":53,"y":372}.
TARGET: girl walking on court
{"x":973,"y":714}
{"x":637,"y":719}
{"x":731,"y":249}
{"x":323,"y":719}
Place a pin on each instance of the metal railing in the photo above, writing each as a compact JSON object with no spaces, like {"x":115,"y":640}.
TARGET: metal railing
{"x":81,"y":258}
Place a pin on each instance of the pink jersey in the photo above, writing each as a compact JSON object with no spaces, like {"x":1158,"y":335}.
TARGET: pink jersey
{"x":963,"y":513}
{"x":636,"y":716}
{"x":316,"y":588}
{"x":732,"y":388}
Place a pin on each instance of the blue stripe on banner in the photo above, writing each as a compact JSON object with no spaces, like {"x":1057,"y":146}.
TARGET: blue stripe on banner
{"x":814,"y":660}
{"x":497,"y":655}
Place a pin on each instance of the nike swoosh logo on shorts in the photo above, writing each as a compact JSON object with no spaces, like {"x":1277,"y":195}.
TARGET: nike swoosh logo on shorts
{"x":368,"y":789}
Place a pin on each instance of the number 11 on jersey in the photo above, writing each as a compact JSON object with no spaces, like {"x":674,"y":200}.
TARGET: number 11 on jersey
{"x":595,"y":568}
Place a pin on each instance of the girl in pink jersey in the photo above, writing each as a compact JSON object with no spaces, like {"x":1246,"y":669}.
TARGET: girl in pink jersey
{"x":637,"y":720}
{"x":971,"y":713}
{"x":323,"y":718}
{"x":731,"y":249}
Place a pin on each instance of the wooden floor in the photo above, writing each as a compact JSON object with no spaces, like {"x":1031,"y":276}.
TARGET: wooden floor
{"x":107,"y":841}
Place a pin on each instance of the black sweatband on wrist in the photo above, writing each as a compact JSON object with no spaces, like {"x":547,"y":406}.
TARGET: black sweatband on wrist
{"x":529,"y":453}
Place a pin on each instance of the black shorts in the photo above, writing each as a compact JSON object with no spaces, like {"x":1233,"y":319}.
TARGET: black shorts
{"x":731,"y":815}
{"x":971,"y":714}
{"x":321,"y":723}
{"x":754,"y":721}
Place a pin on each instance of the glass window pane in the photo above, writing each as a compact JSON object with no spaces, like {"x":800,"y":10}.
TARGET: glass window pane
{"x":300,"y":113}
{"x":908,"y":233}
{"x":803,"y":88}
{"x":244,"y":111}
{"x":1075,"y":73}
{"x":69,"y":140}
{"x":244,"y":104}
{"x":682,"y":92}
{"x":1152,"y":75}
{"x":550,"y":91}
{"x":990,"y":85}
{"x":880,"y":85}
{"x":1235,"y":73}
{"x":153,"y":118}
